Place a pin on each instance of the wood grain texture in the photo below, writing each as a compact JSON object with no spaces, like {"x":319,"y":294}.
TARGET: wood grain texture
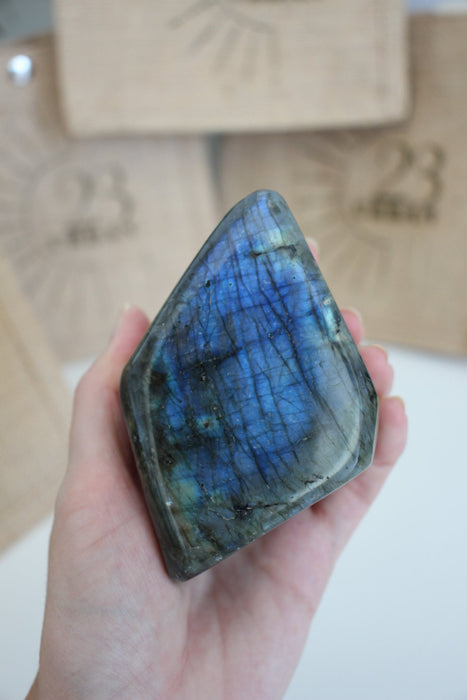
{"x":93,"y":223}
{"x":387,"y":205}
{"x":197,"y":65}
{"x":34,"y":415}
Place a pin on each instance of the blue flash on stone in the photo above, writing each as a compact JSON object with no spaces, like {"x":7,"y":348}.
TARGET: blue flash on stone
{"x":247,"y":399}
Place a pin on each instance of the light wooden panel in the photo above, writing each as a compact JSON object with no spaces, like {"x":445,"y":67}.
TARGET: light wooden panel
{"x":34,"y":416}
{"x":387,"y":206}
{"x":197,"y":65}
{"x":91,"y":224}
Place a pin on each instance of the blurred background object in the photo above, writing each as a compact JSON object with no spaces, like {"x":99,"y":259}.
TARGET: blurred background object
{"x":217,"y":65}
{"x":34,"y":415}
{"x":89,"y":223}
{"x":386,"y":205}
{"x":20,"y":18}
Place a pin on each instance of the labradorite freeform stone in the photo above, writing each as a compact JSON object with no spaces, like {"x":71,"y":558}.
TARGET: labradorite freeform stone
{"x":247,"y":399}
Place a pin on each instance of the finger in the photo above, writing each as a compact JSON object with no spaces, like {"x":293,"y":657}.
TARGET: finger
{"x":352,"y":317}
{"x":343,"y":509}
{"x":382,"y":374}
{"x":354,"y":323}
{"x":98,"y":434}
{"x":390,"y":443}
{"x":314,"y":247}
{"x":392,"y":432}
{"x":131,"y":325}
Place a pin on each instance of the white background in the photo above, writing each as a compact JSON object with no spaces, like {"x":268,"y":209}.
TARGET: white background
{"x":393,"y":622}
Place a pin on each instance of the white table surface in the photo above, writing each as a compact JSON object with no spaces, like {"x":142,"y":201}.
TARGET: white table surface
{"x":393,"y":622}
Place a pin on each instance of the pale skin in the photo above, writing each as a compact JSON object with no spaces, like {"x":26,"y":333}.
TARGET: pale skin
{"x":116,"y":627}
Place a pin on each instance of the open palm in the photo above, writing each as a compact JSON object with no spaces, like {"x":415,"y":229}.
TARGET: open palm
{"x":117,"y":627}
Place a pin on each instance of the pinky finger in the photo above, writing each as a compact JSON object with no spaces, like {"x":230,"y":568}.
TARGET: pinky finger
{"x":390,"y":444}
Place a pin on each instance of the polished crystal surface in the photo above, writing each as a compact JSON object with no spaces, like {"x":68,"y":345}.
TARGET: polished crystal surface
{"x":247,"y":400}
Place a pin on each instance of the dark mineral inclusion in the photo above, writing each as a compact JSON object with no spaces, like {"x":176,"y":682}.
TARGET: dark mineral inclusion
{"x":247,"y":400}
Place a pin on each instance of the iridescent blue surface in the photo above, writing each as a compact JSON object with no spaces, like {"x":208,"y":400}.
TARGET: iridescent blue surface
{"x":247,"y":400}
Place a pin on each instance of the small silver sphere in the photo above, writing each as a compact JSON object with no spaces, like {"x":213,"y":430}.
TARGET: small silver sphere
{"x":20,"y":69}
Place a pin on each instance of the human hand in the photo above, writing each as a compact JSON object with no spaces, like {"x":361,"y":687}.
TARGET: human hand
{"x":117,"y":627}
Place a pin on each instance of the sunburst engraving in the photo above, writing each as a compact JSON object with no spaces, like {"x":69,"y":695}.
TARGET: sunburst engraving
{"x":365,"y":194}
{"x":62,"y":212}
{"x":85,"y":222}
{"x":241,"y":35}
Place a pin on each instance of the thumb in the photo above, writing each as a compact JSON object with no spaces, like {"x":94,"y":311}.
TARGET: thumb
{"x":98,"y":436}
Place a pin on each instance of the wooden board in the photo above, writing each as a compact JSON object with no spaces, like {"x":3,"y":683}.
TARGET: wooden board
{"x":197,"y":65}
{"x":387,"y":206}
{"x":92,"y":224}
{"x":34,"y":416}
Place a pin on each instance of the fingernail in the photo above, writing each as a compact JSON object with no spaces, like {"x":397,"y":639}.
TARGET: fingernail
{"x":383,"y":350}
{"x":401,"y":401}
{"x":121,"y":315}
{"x":313,"y":244}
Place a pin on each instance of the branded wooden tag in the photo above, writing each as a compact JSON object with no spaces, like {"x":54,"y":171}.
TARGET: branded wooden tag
{"x":387,"y":206}
{"x":91,"y":224}
{"x":34,"y":415}
{"x":197,"y":65}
